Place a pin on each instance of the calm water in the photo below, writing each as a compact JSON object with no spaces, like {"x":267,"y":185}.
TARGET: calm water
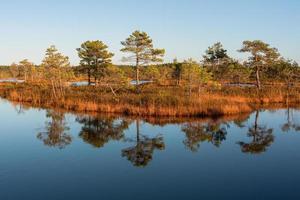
{"x":52,"y":155}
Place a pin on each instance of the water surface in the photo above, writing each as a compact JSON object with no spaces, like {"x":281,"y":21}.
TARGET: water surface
{"x":47,"y":154}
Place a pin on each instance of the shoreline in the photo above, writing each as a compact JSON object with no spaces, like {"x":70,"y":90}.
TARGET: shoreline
{"x":87,"y":100}
{"x":162,"y":120}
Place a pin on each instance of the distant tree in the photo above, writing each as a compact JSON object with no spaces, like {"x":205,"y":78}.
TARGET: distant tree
{"x":286,"y":71}
{"x":215,"y":54}
{"x":262,"y":55}
{"x":127,"y":70}
{"x":28,"y":69}
{"x":14,"y":70}
{"x":152,"y":72}
{"x":194,"y":75}
{"x":95,"y":58}
{"x":166,"y":72}
{"x":56,"y":70}
{"x":236,"y":73}
{"x":5,"y":72}
{"x":177,"y":71}
{"x":216,"y":60}
{"x":139,"y":44}
{"x":115,"y":79}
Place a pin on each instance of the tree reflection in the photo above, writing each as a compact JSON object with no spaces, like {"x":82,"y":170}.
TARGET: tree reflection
{"x":99,"y":131}
{"x":290,"y":123}
{"x":141,"y":153}
{"x":262,"y":137}
{"x":196,"y":133}
{"x":55,"y":133}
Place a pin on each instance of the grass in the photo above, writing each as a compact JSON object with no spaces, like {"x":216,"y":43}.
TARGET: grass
{"x":154,"y":100}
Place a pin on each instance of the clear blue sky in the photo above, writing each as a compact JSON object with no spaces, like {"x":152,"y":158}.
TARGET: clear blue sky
{"x":184,"y":28}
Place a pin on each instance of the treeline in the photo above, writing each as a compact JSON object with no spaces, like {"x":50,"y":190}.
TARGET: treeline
{"x":264,"y":65}
{"x":5,"y":72}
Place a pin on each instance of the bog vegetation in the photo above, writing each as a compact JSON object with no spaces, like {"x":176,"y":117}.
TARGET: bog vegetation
{"x":144,"y":85}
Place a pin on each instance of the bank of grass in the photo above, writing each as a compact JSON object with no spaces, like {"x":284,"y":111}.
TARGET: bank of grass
{"x":154,"y":100}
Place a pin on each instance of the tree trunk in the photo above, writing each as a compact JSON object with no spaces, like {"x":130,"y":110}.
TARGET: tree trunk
{"x":137,"y":71}
{"x":112,"y":90}
{"x":137,"y":75}
{"x":257,"y":69}
{"x":258,"y":84}
{"x":96,"y":72}
{"x":89,"y":77}
{"x":178,"y":80}
{"x":61,"y":86}
{"x":288,"y":115}
{"x":256,"y":120}
{"x":53,"y":89}
{"x":138,"y":130}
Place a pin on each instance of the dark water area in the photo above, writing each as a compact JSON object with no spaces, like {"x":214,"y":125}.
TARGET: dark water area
{"x":47,"y":154}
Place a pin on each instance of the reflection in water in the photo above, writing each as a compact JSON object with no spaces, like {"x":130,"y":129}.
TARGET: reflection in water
{"x":141,"y":153}
{"x":290,"y":124}
{"x":197,"y":132}
{"x":173,"y":171}
{"x":56,"y":130}
{"x":262,"y":137}
{"x":99,"y":131}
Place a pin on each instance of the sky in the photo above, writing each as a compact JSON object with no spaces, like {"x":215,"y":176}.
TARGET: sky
{"x":183,"y":28}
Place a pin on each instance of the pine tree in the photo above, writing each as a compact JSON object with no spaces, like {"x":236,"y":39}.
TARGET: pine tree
{"x":139,"y":44}
{"x":56,"y":70}
{"x":95,"y":58}
{"x":262,"y":55}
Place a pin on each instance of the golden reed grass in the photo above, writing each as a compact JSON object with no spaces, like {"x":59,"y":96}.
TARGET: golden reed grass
{"x":228,"y":101}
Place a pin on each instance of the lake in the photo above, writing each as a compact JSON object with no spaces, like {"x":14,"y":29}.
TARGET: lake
{"x":47,"y":154}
